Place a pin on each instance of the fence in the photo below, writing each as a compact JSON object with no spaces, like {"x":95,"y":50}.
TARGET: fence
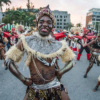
{"x":9,"y":27}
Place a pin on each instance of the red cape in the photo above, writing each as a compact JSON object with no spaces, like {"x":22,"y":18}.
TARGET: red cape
{"x":89,"y":37}
{"x":6,"y":34}
{"x":59,"y":35}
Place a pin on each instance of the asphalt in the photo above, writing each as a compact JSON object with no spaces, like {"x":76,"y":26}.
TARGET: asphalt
{"x":78,"y":87}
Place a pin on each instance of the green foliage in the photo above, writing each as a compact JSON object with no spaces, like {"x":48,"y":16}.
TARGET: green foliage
{"x":69,"y":25}
{"x":7,"y":2}
{"x":78,"y":24}
{"x":19,"y":17}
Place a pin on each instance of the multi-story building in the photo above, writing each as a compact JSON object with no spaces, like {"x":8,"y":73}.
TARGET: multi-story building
{"x":92,"y":17}
{"x":62,"y":19}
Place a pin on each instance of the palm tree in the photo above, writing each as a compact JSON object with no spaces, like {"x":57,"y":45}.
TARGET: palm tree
{"x":7,"y":2}
{"x":78,"y":24}
{"x":28,"y":5}
{"x":69,"y":25}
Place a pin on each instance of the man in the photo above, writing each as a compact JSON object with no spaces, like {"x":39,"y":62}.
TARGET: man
{"x":20,"y":29}
{"x":95,"y":51}
{"x":13,"y":39}
{"x":42,"y":51}
{"x":3,"y":43}
{"x":83,"y":43}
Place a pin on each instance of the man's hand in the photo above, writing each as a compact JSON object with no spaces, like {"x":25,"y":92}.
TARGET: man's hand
{"x":58,"y":74}
{"x":28,"y":82}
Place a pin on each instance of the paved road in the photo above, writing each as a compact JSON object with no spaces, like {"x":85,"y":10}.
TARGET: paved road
{"x":78,"y":87}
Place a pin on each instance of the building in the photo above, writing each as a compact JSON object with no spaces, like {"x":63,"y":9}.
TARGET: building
{"x":93,"y":16}
{"x":62,"y":19}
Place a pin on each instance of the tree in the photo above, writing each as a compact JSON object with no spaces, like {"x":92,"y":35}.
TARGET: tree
{"x":21,"y":17}
{"x":69,"y":25}
{"x":7,"y":2}
{"x":28,"y":5}
{"x":78,"y":24}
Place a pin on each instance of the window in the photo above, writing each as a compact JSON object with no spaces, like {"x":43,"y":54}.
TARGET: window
{"x":57,"y":23}
{"x":66,"y":16}
{"x":60,"y":23}
{"x":57,"y":19}
{"x":64,"y":23}
{"x":97,"y":19}
{"x":55,"y":16}
{"x":60,"y":16}
{"x":64,"y":19}
{"x":60,"y":19}
{"x":57,"y":26}
{"x":60,"y":27}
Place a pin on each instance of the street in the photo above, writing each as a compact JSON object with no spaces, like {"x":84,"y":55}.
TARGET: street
{"x":78,"y":87}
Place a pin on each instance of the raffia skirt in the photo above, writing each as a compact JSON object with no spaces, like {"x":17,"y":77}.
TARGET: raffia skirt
{"x":46,"y":94}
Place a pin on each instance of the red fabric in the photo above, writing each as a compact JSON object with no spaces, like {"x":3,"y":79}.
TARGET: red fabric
{"x":88,"y":56}
{"x":89,"y":37}
{"x":70,"y":47}
{"x":79,"y":37}
{"x":79,"y":50}
{"x":59,"y":35}
{"x":13,"y":29}
{"x":78,"y":56}
{"x":6,"y":34}
{"x":74,"y":49}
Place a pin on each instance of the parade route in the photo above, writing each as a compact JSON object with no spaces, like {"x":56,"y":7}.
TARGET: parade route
{"x":78,"y":87}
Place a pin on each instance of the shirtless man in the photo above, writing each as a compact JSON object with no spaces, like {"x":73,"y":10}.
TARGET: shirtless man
{"x":94,"y":47}
{"x":42,"y":52}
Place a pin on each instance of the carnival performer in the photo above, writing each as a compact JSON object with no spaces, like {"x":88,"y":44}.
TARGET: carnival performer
{"x":20,"y":29}
{"x":13,"y":39}
{"x":30,"y":32}
{"x":42,"y":51}
{"x":84,"y":41}
{"x":94,"y":47}
{"x":2,"y":45}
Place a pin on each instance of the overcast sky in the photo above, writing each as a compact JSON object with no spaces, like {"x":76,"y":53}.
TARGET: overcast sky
{"x":77,"y":8}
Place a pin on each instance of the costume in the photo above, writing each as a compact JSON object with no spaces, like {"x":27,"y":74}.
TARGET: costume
{"x":42,"y":48}
{"x":94,"y":46}
{"x":94,"y":59}
{"x":2,"y":48}
{"x":83,"y":40}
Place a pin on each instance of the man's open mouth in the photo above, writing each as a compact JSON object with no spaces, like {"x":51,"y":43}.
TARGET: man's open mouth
{"x":44,"y":30}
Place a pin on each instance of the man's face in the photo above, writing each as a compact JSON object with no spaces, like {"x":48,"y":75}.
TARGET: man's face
{"x":45,"y":26}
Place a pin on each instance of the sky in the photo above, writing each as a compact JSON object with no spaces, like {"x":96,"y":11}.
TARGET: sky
{"x":76,"y":8}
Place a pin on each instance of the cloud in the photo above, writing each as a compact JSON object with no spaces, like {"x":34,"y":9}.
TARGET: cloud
{"x":77,"y":8}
